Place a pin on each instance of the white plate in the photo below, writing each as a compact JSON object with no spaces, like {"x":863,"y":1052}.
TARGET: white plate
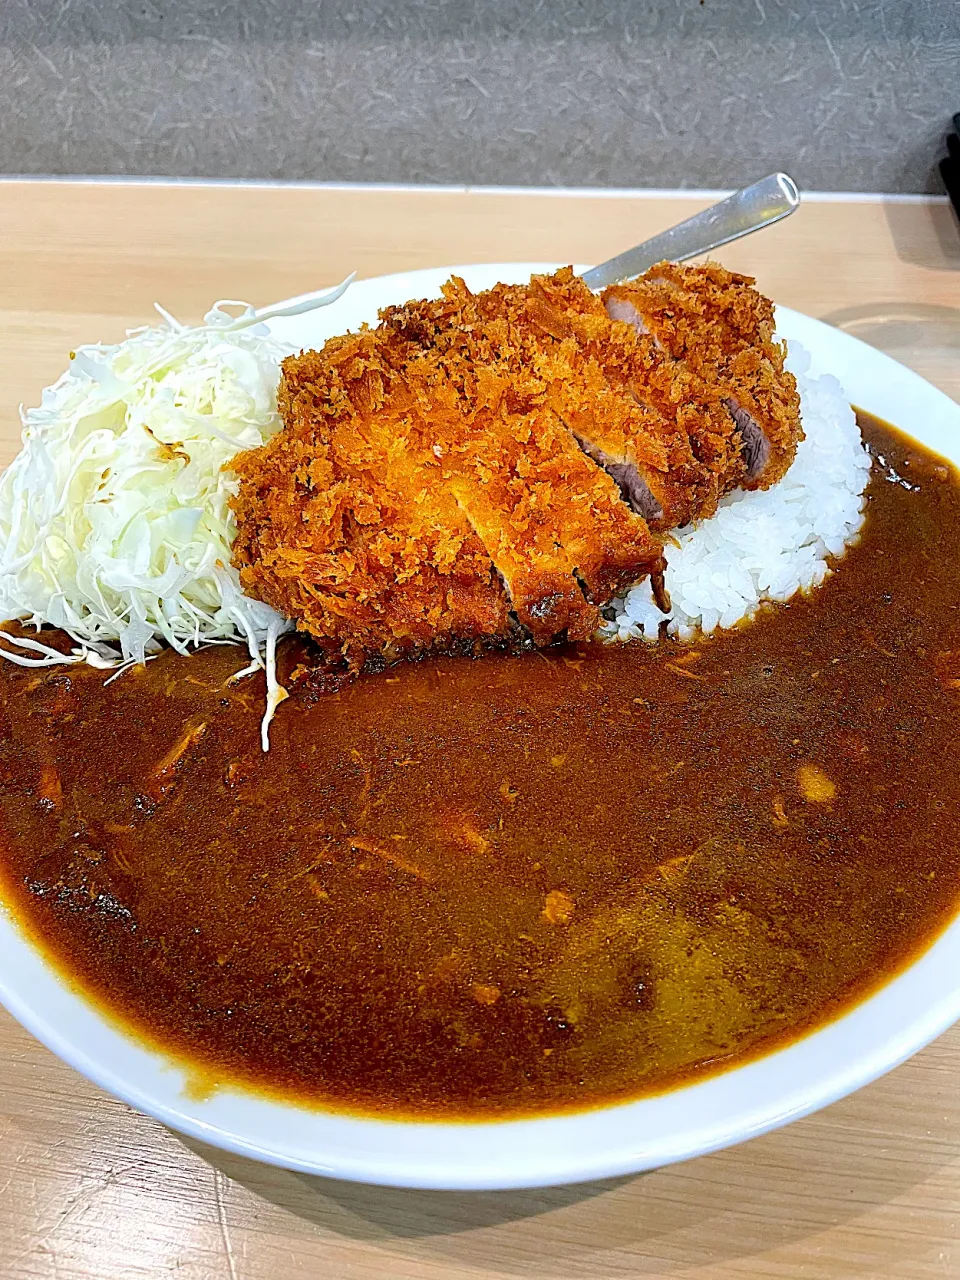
{"x":825,"y":1065}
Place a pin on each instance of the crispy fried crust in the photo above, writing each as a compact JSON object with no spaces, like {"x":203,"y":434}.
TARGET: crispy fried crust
{"x":615,"y":388}
{"x":338,"y":525}
{"x":683,"y":411}
{"x":394,"y":505}
{"x":551,"y":520}
{"x":478,"y":461}
{"x":718,"y":326}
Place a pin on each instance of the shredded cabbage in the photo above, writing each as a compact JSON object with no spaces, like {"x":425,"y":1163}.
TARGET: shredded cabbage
{"x":115,"y":523}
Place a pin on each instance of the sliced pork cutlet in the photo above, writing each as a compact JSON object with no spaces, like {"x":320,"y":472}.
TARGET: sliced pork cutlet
{"x":340,"y":526}
{"x":559,"y":351}
{"x":719,"y":326}
{"x":552,"y":521}
{"x":686,"y":411}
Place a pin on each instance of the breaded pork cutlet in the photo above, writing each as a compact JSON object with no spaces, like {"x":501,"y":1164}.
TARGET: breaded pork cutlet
{"x":340,"y":527}
{"x":692,"y":348}
{"x":482,"y":462}
{"x":516,"y":329}
{"x":658,"y":428}
{"x":709,"y":462}
{"x":552,"y":522}
{"x":717,"y":324}
{"x":402,"y":509}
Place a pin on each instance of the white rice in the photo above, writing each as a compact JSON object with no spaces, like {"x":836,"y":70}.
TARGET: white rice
{"x":766,"y":545}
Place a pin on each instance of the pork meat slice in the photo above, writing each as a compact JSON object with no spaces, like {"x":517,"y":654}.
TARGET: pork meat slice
{"x":716,"y":324}
{"x":551,"y":520}
{"x":557,"y":347}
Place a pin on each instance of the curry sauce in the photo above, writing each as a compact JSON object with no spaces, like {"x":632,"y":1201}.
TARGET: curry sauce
{"x":515,"y":884}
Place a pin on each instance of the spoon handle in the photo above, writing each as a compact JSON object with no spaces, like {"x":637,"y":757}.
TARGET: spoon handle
{"x":749,"y":209}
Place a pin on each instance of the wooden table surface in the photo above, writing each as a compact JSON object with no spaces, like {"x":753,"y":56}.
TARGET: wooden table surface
{"x":868,"y":1188}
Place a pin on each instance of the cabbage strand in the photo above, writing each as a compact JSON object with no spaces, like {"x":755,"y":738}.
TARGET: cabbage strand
{"x":115,"y":519}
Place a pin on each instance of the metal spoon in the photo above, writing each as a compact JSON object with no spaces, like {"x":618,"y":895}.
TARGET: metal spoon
{"x":749,"y":209}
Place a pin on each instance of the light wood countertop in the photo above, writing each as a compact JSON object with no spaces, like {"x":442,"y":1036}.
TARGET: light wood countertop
{"x":868,"y":1188}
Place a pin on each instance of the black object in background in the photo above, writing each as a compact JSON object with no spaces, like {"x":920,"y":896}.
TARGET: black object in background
{"x":950,"y":165}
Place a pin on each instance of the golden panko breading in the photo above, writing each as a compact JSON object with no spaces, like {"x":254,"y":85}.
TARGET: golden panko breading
{"x":717,"y":324}
{"x":480,"y":462}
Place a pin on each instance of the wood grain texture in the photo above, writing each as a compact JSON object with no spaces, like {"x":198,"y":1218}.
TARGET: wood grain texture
{"x":868,"y":1188}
